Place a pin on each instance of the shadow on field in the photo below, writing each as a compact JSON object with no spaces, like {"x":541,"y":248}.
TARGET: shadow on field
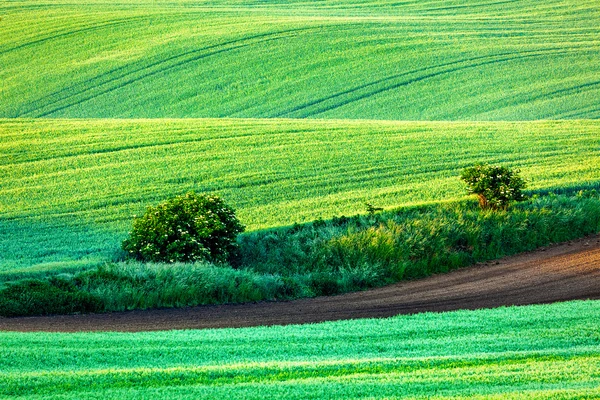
{"x":564,"y":190}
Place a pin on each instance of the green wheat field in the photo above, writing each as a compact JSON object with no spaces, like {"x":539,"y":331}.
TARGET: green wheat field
{"x":408,"y":60}
{"x":292,"y":111}
{"x":71,"y":187}
{"x":534,"y":352}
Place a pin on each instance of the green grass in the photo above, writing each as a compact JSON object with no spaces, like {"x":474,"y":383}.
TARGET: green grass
{"x":410,"y":60}
{"x":547,"y":351}
{"x":69,"y":188}
{"x":321,"y":258}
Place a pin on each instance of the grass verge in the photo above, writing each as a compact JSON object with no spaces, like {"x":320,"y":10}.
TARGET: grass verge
{"x":320,"y":258}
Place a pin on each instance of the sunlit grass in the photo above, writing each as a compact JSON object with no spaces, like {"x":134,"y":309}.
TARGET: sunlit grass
{"x":414,"y":60}
{"x":69,"y":188}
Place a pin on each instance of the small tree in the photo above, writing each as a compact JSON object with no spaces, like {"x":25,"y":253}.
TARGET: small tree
{"x":496,"y":186}
{"x":192,"y":227}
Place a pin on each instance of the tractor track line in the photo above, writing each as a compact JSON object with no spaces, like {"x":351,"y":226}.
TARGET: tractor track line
{"x":179,"y":59}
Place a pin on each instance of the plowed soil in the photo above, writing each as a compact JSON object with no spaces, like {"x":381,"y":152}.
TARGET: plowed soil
{"x":567,"y":271}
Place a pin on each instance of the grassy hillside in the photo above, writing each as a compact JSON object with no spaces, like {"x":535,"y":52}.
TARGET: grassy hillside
{"x":410,"y":60}
{"x":549,"y":351}
{"x":69,"y":188}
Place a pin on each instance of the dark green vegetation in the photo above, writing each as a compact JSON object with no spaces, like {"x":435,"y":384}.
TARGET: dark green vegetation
{"x":534,"y":352}
{"x":382,"y":59}
{"x":496,"y":186}
{"x":69,"y":189}
{"x":185,"y":228}
{"x":319,"y":258}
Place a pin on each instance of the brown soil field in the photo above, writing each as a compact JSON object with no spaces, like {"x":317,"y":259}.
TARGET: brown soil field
{"x":566,"y":271}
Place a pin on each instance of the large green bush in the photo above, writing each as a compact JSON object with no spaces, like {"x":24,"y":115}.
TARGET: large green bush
{"x":187,"y":228}
{"x":496,"y":186}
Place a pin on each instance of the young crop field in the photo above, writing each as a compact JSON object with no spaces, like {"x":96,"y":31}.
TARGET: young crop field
{"x":538,"y":352}
{"x":413,"y":60}
{"x":300,"y":112}
{"x":69,"y":188}
{"x":298,"y":72}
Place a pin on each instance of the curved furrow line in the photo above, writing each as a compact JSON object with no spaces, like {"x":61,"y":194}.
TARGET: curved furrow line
{"x":597,"y":110}
{"x":91,"y":84}
{"x":70,"y":33}
{"x":465,"y":6}
{"x":581,"y":113}
{"x":363,"y":86}
{"x":565,"y":92}
{"x":568,"y":90}
{"x":427,"y":76}
{"x":146,"y":75}
{"x":306,"y":105}
{"x":91,"y":153}
{"x":53,"y":26}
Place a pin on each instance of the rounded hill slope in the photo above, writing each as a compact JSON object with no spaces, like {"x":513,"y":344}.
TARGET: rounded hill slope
{"x":413,"y":60}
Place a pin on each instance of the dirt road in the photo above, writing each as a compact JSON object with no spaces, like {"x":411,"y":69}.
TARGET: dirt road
{"x":561,"y":272}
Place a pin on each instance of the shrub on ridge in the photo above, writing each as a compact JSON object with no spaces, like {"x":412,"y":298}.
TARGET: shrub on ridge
{"x":188,"y":228}
{"x":496,"y":186}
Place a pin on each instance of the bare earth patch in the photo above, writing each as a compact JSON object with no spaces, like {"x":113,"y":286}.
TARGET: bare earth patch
{"x":567,"y":271}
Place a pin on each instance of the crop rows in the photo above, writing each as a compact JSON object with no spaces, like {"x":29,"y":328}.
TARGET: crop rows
{"x":368,"y":60}
{"x":541,"y":351}
{"x":71,"y":187}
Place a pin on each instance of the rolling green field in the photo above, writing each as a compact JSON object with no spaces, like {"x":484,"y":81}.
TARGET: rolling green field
{"x":291,"y":110}
{"x":540,"y":352}
{"x":69,"y":188}
{"x":298,"y":73}
{"x":409,"y":60}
